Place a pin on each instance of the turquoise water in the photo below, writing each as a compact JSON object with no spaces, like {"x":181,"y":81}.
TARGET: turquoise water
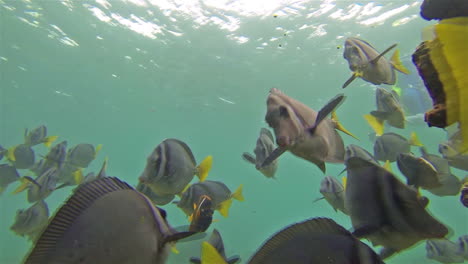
{"x":128,"y":74}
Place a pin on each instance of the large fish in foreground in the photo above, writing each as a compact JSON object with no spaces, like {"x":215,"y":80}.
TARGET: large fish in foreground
{"x":386,"y":211}
{"x":317,"y":240}
{"x":304,"y":132}
{"x":105,"y":221}
{"x":370,"y":65}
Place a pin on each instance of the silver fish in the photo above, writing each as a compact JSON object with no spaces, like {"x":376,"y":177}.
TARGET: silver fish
{"x":318,"y":240}
{"x":81,"y":155}
{"x":386,"y":211}
{"x":418,"y":171}
{"x":56,"y":156}
{"x":105,"y":221}
{"x":263,"y":149}
{"x":389,"y":108}
{"x":170,"y":167}
{"x":333,"y":192}
{"x":389,"y":145}
{"x":8,"y":174}
{"x":443,"y":250}
{"x":30,"y":222}
{"x":38,"y":136}
{"x":302,"y":131}
{"x":462,"y":245}
{"x":21,"y":156}
{"x":356,"y":151}
{"x":450,"y":151}
{"x":42,"y":186}
{"x":217,"y":242}
{"x":367,"y":63}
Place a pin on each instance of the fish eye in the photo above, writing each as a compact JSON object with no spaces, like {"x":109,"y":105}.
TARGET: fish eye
{"x":283,"y":111}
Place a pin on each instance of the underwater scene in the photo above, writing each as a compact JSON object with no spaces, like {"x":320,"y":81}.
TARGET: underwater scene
{"x":233,"y":131}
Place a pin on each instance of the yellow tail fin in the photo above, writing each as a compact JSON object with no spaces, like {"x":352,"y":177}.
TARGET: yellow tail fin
{"x":174,"y":249}
{"x":11,"y":153}
{"x":49,"y":140}
{"x":387,"y":166}
{"x":24,"y":185}
{"x":238,"y":193}
{"x":339,"y":126}
{"x":397,"y":64}
{"x":210,"y":255}
{"x":204,"y":168}
{"x":344,"y":180}
{"x":414,"y":140}
{"x":98,"y":148}
{"x":78,"y":176}
{"x":224,"y":207}
{"x":376,"y":124}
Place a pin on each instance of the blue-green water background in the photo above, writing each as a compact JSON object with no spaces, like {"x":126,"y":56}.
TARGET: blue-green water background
{"x":128,"y":74}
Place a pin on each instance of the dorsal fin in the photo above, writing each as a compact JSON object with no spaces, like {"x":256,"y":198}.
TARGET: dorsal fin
{"x":83,"y":197}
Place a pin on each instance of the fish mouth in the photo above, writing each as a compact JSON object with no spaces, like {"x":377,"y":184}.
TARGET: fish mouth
{"x":283,"y":141}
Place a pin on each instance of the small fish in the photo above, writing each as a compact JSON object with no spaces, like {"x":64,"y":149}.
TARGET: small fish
{"x":43,"y":186}
{"x":21,"y":156}
{"x":366,"y":62}
{"x":263,"y":149}
{"x":38,"y":136}
{"x":8,"y":174}
{"x":443,"y":251}
{"x":56,"y":156}
{"x":74,"y":236}
{"x":30,"y":222}
{"x":317,"y":240}
{"x":463,"y":246}
{"x":81,"y":155}
{"x":152,"y":196}
{"x":2,"y":152}
{"x":202,"y":215}
{"x":389,"y":145}
{"x":221,"y":196}
{"x":450,"y":150}
{"x":333,"y":192}
{"x":171,"y":166}
{"x":389,"y":108}
{"x":418,"y":171}
{"x":213,"y":251}
{"x":304,"y":132}
{"x":464,"y":194}
{"x":385,"y":211}
{"x":356,"y":151}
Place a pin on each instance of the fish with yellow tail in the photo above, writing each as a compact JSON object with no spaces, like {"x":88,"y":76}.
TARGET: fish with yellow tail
{"x":213,"y":252}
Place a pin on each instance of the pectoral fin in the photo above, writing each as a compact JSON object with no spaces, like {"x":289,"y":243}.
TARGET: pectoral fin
{"x":350,"y":80}
{"x":273,"y":156}
{"x":376,"y":59}
{"x":326,"y":110}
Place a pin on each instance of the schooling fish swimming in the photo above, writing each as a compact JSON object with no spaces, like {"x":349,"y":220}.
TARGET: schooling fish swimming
{"x":263,"y":149}
{"x":388,"y":108}
{"x":213,"y":251}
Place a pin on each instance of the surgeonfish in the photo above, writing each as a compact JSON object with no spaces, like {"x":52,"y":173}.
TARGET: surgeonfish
{"x":386,"y":211}
{"x":389,"y":145}
{"x":370,"y":65}
{"x":304,"y":132}
{"x":333,"y":192}
{"x":32,"y":221}
{"x":462,"y":245}
{"x":21,"y":156}
{"x":170,"y":168}
{"x":443,"y":251}
{"x":38,"y":136}
{"x":213,"y":251}
{"x":82,"y":154}
{"x":389,"y":108}
{"x":264,"y":147}
{"x":450,"y":150}
{"x":8,"y":175}
{"x":317,"y":240}
{"x":106,"y":221}
{"x":202,"y":215}
{"x":418,"y":171}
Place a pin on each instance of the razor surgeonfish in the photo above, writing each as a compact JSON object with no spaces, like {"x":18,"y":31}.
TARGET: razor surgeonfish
{"x":317,"y":240}
{"x":105,"y":221}
{"x":389,"y":145}
{"x":304,"y":132}
{"x":450,"y":150}
{"x":32,"y":221}
{"x":56,"y":156}
{"x":41,"y":187}
{"x":220,"y":195}
{"x":263,"y":149}
{"x":170,"y":168}
{"x":38,"y":136}
{"x":385,"y":211}
{"x":388,"y":108}
{"x":370,"y":65}
{"x":82,"y":154}
{"x":21,"y":156}
{"x":418,"y":171}
{"x":443,"y":251}
{"x":202,"y":215}
{"x":213,"y":251}
{"x":333,"y":192}
{"x":8,"y":174}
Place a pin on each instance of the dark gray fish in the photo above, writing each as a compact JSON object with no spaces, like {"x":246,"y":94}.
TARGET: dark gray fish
{"x":443,"y":251}
{"x":386,"y":211}
{"x":318,"y":240}
{"x":333,"y":192}
{"x":263,"y":149}
{"x":56,"y":156}
{"x":217,"y":242}
{"x":389,"y":108}
{"x":418,"y":171}
{"x":105,"y":221}
{"x":8,"y":174}
{"x":450,"y":151}
{"x":356,"y":151}
{"x":43,"y":185}
{"x":152,"y":196}
{"x":81,"y":155}
{"x":389,"y":145}
{"x":171,"y":166}
{"x":462,"y":245}
{"x":21,"y":156}
{"x":2,"y":152}
{"x":304,"y":132}
{"x":69,"y":175}
{"x":32,"y":221}
{"x":450,"y":184}
{"x":221,"y":196}
{"x":370,"y":65}
{"x":38,"y":136}
{"x":38,"y":167}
